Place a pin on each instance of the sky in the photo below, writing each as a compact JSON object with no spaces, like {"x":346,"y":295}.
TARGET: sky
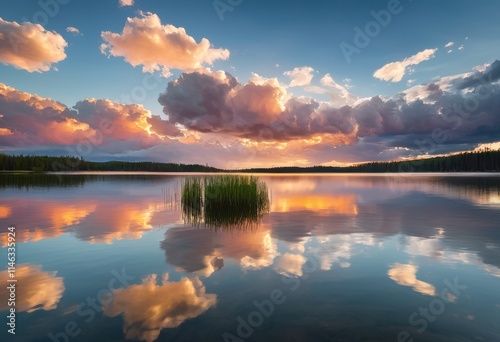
{"x":239,"y":83}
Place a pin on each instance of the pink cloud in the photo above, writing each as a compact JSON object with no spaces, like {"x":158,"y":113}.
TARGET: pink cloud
{"x":262,"y":111}
{"x":28,"y":120}
{"x":29,"y":46}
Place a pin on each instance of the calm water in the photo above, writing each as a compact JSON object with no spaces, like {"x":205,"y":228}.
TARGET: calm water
{"x":338,"y":258}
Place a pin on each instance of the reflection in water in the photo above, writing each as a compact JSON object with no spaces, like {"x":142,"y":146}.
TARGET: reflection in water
{"x":35,"y":289}
{"x":406,"y":275}
{"x":96,"y":220}
{"x":350,"y":226}
{"x":148,"y":308}
{"x":434,"y":248}
{"x":339,"y":204}
{"x":289,"y":265}
{"x":202,"y":252}
{"x":5,"y":211}
{"x":224,"y":201}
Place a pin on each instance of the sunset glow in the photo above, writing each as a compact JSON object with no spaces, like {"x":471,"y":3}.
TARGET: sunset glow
{"x":148,"y":84}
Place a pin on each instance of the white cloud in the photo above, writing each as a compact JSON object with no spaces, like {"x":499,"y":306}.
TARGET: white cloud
{"x":395,"y":71}
{"x":450,"y":51}
{"x":450,"y":44}
{"x":461,"y":47}
{"x":300,"y":76}
{"x":339,"y":94}
{"x":289,"y":265}
{"x":145,"y":41}
{"x":73,"y":30}
{"x":29,"y":46}
{"x":482,"y":68}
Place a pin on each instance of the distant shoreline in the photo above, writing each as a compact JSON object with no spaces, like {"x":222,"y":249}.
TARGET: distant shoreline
{"x":485,"y":161}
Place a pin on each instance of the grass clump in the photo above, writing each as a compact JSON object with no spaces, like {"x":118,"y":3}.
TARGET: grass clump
{"x":192,"y":201}
{"x":225,"y":201}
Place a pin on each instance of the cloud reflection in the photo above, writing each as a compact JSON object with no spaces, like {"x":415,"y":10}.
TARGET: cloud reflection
{"x":35,"y":289}
{"x":148,"y":308}
{"x":289,"y":265}
{"x":406,"y":275}
{"x":201,"y":251}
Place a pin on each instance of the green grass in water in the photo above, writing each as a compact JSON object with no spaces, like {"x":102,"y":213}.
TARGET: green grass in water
{"x":225,"y":201}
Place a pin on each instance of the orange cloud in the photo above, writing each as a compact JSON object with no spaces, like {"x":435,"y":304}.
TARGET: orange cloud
{"x":29,"y":46}
{"x":145,"y":41}
{"x":338,"y":204}
{"x":117,"y":221}
{"x":35,"y":289}
{"x":124,"y":3}
{"x":52,"y":218}
{"x":28,"y":119}
{"x":94,"y":221}
{"x":148,"y":308}
{"x":128,"y":122}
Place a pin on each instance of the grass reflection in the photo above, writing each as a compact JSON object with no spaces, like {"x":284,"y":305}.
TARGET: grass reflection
{"x":225,"y":201}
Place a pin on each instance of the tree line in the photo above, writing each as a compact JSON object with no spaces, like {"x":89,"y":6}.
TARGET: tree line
{"x":477,"y":161}
{"x":68,"y":163}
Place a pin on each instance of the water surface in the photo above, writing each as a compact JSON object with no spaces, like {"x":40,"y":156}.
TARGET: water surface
{"x":104,"y":257}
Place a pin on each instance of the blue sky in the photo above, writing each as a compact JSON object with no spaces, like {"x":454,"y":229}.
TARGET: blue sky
{"x":262,"y":37}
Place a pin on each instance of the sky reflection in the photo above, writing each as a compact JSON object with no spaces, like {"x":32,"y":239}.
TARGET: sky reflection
{"x":378,"y":245}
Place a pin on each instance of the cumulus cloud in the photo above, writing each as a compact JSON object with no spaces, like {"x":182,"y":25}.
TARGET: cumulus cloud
{"x":300,"y":76}
{"x":338,"y":94}
{"x":213,"y":118}
{"x":124,"y":3}
{"x":148,"y":308}
{"x":216,"y":102}
{"x":73,"y":30}
{"x":395,"y":71}
{"x":450,"y":44}
{"x":29,"y":46}
{"x":30,"y":120}
{"x":35,"y":289}
{"x":145,"y":41}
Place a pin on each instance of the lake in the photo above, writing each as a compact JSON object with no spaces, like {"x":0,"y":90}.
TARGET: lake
{"x":388,"y":257}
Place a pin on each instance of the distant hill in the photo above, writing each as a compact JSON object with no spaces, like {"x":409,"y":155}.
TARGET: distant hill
{"x":480,"y":161}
